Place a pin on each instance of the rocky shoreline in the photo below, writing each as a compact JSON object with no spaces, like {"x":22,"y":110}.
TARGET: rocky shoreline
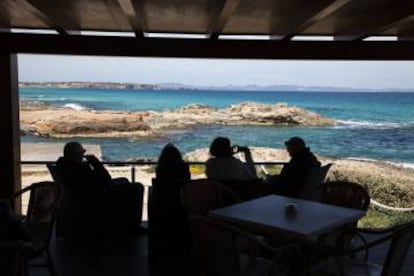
{"x":40,"y":119}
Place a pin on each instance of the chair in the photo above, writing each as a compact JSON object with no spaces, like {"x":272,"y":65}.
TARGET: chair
{"x":400,"y":238}
{"x":88,"y":214}
{"x":202,"y":195}
{"x":247,"y":189}
{"x":44,"y":198}
{"x":346,"y":194}
{"x":218,"y":253}
{"x":169,"y":238}
{"x":312,"y":190}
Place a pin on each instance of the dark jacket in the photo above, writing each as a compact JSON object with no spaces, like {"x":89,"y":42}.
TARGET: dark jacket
{"x":85,"y":193}
{"x":178,"y":170}
{"x":293,"y":175}
{"x":83,"y":176}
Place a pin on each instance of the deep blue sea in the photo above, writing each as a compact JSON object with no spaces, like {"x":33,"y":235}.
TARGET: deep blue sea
{"x":369,"y":125}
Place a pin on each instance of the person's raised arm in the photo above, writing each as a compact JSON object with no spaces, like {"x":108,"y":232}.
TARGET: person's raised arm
{"x":99,"y":168}
{"x":249,"y":160}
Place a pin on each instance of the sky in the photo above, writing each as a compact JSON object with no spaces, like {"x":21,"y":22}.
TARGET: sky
{"x":218,"y":72}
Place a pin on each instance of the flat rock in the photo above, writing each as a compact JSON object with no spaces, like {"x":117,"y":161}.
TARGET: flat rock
{"x":42,"y":120}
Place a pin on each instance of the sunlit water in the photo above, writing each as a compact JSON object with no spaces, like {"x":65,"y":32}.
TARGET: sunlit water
{"x":368,"y":125}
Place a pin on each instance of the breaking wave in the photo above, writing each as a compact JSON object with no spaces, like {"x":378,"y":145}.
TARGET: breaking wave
{"x":369,"y":125}
{"x":74,"y":106}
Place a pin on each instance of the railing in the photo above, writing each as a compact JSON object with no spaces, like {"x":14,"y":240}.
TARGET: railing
{"x":134,"y":164}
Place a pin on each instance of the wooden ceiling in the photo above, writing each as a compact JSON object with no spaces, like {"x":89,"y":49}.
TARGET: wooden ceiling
{"x":345,"y":20}
{"x":129,"y":28}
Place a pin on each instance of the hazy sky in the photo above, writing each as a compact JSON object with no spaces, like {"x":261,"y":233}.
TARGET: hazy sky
{"x":212,"y":72}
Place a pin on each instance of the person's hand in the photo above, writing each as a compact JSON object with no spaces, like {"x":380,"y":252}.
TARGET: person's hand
{"x":244,"y":149}
{"x":92,"y":159}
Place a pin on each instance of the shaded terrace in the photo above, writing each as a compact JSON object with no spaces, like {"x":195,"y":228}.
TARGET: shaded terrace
{"x":191,"y":29}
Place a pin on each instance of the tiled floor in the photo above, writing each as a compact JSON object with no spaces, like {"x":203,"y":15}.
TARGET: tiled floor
{"x":130,"y":258}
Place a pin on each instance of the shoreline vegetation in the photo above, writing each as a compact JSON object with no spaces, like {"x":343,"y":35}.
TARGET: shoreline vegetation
{"x":387,"y":183}
{"x":40,"y":119}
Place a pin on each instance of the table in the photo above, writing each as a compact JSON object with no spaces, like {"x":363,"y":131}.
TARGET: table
{"x":269,"y":215}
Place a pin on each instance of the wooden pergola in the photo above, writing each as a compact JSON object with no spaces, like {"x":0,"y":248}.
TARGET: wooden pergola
{"x":205,"y":29}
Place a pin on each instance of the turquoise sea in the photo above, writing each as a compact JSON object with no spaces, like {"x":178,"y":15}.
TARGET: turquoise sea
{"x":368,"y":125}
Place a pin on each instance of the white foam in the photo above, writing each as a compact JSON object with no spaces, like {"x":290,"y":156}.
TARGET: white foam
{"x":363,"y":159}
{"x":368,"y":124}
{"x":75,"y":106}
{"x":407,"y":165}
{"x":397,"y":164}
{"x":402,"y":165}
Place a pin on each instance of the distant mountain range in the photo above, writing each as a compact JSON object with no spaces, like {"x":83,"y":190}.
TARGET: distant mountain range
{"x":178,"y":86}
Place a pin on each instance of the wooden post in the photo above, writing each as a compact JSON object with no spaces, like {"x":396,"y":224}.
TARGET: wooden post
{"x":10,"y":172}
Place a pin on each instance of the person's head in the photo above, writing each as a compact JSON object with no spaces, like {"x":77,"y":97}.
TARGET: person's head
{"x":221,"y":147}
{"x":74,"y":151}
{"x":170,"y":154}
{"x":295,"y":145}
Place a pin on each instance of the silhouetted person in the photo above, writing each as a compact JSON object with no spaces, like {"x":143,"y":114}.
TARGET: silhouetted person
{"x":171,"y":165}
{"x":94,"y":204}
{"x":293,"y":175}
{"x":169,"y":234}
{"x":90,"y":172}
{"x":224,"y":166}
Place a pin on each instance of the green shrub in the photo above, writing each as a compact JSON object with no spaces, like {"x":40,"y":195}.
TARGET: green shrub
{"x":197,"y":169}
{"x":385,"y":192}
{"x":271,"y":169}
{"x":379,"y":219}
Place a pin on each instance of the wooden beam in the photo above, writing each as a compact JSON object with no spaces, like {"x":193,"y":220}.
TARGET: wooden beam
{"x":371,"y":24}
{"x":56,"y":15}
{"x":398,"y":24}
{"x":123,"y":12}
{"x":406,"y":32}
{"x":135,"y":12}
{"x":4,"y":17}
{"x":205,"y":48}
{"x":220,"y":15}
{"x":10,"y":175}
{"x":292,"y":28}
{"x":24,"y":6}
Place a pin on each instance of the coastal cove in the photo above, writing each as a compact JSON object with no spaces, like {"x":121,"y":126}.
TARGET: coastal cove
{"x":370,"y":125}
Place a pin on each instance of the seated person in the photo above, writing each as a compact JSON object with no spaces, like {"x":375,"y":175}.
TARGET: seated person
{"x":224,"y":166}
{"x":171,"y":165}
{"x":92,"y":197}
{"x":293,"y":175}
{"x":169,"y":236}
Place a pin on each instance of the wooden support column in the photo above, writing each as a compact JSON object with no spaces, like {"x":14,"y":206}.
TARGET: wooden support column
{"x":10,"y":172}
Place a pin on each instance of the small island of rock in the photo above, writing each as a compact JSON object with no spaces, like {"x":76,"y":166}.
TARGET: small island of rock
{"x":42,"y":120}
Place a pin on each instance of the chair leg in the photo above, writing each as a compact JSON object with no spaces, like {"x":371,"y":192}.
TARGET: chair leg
{"x":50,"y":263}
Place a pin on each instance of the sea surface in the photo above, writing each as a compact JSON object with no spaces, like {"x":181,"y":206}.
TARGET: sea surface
{"x":369,"y":125}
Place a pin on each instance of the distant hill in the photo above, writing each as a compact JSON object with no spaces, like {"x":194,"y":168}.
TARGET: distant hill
{"x":178,"y":86}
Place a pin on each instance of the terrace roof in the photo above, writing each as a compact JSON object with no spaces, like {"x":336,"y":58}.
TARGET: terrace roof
{"x":128,"y":27}
{"x":281,"y":19}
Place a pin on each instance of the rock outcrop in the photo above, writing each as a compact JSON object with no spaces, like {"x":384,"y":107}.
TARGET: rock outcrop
{"x":66,"y":122}
{"x":38,"y":119}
